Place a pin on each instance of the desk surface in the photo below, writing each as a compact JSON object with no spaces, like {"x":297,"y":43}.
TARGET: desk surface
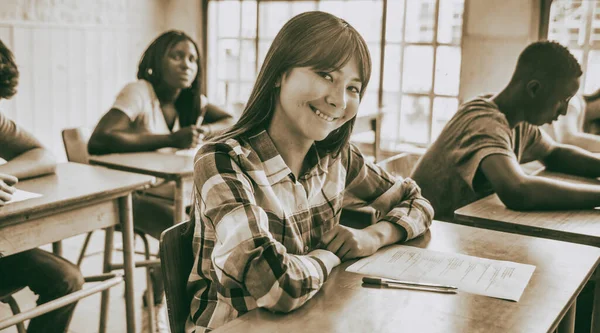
{"x":72,"y":183}
{"x":344,"y":306}
{"x":578,"y":226}
{"x":161,"y":164}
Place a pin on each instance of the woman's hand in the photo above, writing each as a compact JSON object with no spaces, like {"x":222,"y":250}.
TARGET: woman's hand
{"x":348,"y":243}
{"x":7,"y":183}
{"x":187,"y":137}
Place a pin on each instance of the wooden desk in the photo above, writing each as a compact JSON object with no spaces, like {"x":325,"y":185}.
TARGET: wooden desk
{"x":576,"y":226}
{"x":165,"y":165}
{"x":344,"y":306}
{"x":77,"y":199}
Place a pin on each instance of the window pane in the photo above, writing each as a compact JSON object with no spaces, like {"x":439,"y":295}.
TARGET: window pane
{"x":447,"y":70}
{"x":418,"y":67}
{"x":567,"y":22}
{"x":395,"y":17}
{"x":595,"y":35}
{"x":443,"y":109}
{"x":229,"y":18}
{"x":376,"y":63}
{"x":229,"y":51}
{"x":389,"y":124}
{"x":450,"y":21}
{"x":263,"y":48}
{"x":302,"y":6}
{"x":391,"y":75}
{"x":592,"y":75}
{"x":415,"y":119}
{"x":365,"y":17}
{"x":420,"y":19}
{"x":578,"y":54}
{"x":248,"y":60}
{"x":273,"y":16}
{"x":335,"y":7}
{"x":249,"y":19}
{"x":368,"y":104}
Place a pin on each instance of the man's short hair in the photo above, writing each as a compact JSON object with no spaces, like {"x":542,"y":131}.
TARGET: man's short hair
{"x":546,"y":60}
{"x":9,"y":73}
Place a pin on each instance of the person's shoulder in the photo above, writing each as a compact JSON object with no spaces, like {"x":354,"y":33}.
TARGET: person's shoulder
{"x":233,"y":148}
{"x":139,"y":87}
{"x":482,"y":110}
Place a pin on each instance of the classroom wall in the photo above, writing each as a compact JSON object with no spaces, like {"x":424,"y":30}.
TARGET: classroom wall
{"x":495,"y":32}
{"x":75,"y":55}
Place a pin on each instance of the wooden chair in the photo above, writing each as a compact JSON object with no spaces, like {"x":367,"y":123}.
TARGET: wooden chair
{"x":401,"y":164}
{"x":177,"y":260}
{"x":75,"y":141}
{"x":107,"y":281}
{"x":6,"y":296}
{"x":370,"y":123}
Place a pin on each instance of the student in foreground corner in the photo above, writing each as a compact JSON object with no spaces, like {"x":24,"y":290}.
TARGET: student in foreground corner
{"x":47,"y":275}
{"x":269,"y":191}
{"x":479,"y":150}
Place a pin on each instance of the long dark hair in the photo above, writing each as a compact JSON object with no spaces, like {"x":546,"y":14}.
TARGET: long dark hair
{"x":313,"y":39}
{"x":9,"y":73}
{"x":151,"y":69}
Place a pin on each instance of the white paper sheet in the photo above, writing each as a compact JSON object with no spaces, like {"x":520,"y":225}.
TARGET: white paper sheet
{"x":21,"y":195}
{"x":495,"y":278}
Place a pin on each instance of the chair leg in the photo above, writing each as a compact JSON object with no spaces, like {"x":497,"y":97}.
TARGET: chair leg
{"x":108,"y":247}
{"x":14,"y":307}
{"x":149,"y":287}
{"x":84,"y":248}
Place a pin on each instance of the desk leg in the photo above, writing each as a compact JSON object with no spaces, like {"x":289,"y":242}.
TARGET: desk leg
{"x":179,"y":215}
{"x":567,"y":324}
{"x":108,"y":246}
{"x":126,"y":217}
{"x":596,"y":309}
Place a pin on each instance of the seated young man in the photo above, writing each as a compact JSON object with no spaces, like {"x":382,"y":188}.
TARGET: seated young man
{"x":46,"y":274}
{"x":579,"y":127}
{"x":479,"y":150}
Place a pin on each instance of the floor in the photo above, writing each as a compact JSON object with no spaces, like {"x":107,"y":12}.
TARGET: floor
{"x":87,"y":312}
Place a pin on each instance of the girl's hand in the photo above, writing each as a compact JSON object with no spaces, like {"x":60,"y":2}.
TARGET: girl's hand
{"x":348,"y":243}
{"x":7,"y":183}
{"x":187,"y":137}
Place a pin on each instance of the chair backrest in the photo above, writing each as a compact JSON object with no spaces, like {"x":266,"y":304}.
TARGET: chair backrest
{"x":177,"y":260}
{"x":401,"y":164}
{"x":75,"y":141}
{"x":370,"y":123}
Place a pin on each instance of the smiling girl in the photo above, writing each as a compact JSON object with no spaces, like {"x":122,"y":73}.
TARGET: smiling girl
{"x":269,"y":191}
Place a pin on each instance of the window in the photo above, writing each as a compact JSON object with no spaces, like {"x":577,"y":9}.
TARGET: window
{"x":421,"y":62}
{"x":576,"y":24}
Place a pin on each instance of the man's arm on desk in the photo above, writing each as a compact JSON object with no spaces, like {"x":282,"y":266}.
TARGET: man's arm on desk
{"x":572,"y":160}
{"x":519,"y":191}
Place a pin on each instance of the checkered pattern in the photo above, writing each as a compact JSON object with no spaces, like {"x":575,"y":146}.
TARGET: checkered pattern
{"x":256,"y":223}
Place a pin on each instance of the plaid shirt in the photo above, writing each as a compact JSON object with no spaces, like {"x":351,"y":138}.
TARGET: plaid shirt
{"x":255,"y":223}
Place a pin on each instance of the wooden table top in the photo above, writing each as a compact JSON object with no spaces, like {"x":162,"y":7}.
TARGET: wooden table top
{"x":578,"y":226}
{"x":71,"y":184}
{"x":344,"y":306}
{"x":162,"y":164}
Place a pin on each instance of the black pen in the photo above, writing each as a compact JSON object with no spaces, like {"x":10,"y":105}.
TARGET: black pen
{"x":390,"y":283}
